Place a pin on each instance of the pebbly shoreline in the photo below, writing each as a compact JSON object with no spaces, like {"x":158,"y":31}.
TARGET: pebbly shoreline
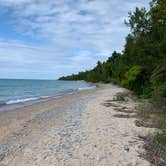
{"x":78,"y":130}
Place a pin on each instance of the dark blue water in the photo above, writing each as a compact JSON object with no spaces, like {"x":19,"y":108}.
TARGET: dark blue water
{"x":13,"y":91}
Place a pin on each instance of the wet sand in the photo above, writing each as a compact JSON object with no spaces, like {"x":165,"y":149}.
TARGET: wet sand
{"x":83,"y":129}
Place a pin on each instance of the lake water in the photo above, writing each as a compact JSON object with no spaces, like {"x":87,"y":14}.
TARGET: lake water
{"x":16,"y":91}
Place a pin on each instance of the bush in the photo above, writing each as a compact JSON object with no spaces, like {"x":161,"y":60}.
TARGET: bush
{"x":119,"y":98}
{"x":159,"y":95}
{"x":134,"y":79}
{"x":114,"y":81}
{"x":147,"y":91}
{"x":158,"y":80}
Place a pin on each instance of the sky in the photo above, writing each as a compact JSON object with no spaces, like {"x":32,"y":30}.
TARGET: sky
{"x":46,"y":39}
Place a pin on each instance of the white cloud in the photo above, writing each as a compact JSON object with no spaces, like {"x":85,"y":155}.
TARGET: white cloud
{"x":67,"y":25}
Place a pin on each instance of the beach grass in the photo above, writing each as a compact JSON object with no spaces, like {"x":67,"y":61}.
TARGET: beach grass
{"x":151,"y":116}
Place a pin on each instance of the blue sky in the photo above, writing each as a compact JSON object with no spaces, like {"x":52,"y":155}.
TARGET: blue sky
{"x":45,"y":39}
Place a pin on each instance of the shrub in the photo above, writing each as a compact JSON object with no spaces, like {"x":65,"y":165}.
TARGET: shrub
{"x":134,"y":79}
{"x":119,"y":98}
{"x":158,"y":80}
{"x":159,"y":95}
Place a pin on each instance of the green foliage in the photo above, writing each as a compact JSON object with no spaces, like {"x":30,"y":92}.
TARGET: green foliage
{"x":159,"y":96}
{"x":119,"y":98}
{"x":141,"y":67}
{"x":158,"y":80}
{"x":159,"y":74}
{"x":161,"y":139}
{"x":139,"y":22}
{"x":133,"y":79}
{"x":136,"y":79}
{"x":155,"y":145}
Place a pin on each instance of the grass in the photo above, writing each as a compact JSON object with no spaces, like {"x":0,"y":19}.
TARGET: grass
{"x":161,"y":139}
{"x":119,"y":98}
{"x":125,"y":96}
{"x":155,"y":146}
{"x":153,"y":116}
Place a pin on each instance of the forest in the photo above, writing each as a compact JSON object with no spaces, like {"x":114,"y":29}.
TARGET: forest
{"x":141,"y":67}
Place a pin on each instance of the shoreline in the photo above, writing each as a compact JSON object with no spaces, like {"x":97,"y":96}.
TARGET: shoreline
{"x":38,"y":107}
{"x":85,"y":128}
{"x":35,"y":100}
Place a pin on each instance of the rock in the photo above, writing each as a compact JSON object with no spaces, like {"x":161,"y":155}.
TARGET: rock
{"x":2,"y":156}
{"x":100,"y":158}
{"x":95,"y":146}
{"x":126,"y":148}
{"x":3,"y":151}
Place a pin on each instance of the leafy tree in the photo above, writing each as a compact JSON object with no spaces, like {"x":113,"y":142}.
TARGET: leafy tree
{"x":142,"y":65}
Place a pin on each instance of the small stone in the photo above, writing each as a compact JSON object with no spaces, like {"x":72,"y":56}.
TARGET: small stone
{"x":2,"y":156}
{"x":100,"y":158}
{"x":110,"y":153}
{"x":126,"y":148}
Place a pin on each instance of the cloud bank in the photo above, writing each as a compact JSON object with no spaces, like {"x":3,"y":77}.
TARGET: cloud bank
{"x":66,"y":35}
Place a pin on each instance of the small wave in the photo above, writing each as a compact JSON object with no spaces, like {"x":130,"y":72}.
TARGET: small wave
{"x":44,"y":97}
{"x":21,"y":100}
{"x":86,"y":88}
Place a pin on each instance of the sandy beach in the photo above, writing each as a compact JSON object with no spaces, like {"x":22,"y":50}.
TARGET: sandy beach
{"x":83,"y":129}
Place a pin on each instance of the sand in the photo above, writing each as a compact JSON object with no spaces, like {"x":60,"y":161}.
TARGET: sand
{"x":83,"y":129}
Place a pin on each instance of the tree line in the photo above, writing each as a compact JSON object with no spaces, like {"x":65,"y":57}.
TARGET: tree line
{"x":141,"y":67}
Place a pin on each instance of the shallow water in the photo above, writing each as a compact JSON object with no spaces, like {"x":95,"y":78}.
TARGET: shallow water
{"x":15,"y":91}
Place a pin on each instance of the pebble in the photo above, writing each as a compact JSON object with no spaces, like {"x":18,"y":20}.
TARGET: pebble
{"x":4,"y":151}
{"x":126,"y":148}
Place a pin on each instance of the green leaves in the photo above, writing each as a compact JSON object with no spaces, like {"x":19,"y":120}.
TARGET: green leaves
{"x":133,"y":79}
{"x":142,"y":65}
{"x":139,"y":21}
{"x":158,"y":80}
{"x":131,"y":75}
